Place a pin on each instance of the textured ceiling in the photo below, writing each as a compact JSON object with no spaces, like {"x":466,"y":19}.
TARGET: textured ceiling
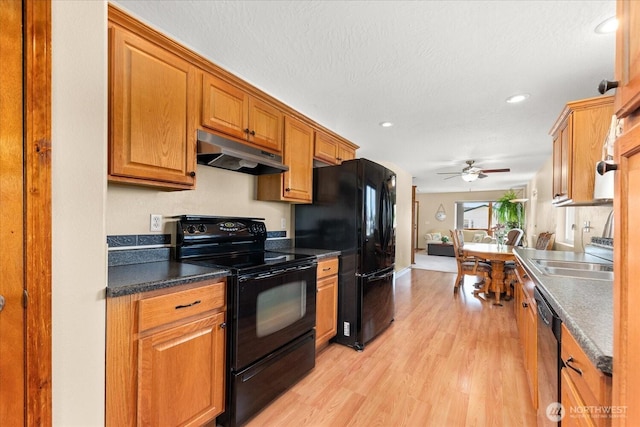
{"x":439,"y":70}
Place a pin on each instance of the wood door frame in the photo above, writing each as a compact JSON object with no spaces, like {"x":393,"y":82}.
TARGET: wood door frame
{"x":37,"y":210}
{"x":414,"y":224}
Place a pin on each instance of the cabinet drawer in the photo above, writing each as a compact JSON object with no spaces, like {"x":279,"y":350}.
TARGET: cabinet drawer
{"x":592,"y":384}
{"x":327,"y":267}
{"x":167,"y":308}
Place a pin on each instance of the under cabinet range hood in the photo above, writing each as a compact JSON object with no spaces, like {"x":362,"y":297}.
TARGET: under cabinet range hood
{"x":219,"y":152}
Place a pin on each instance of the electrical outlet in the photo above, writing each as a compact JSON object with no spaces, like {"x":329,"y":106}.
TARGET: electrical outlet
{"x":283,"y":223}
{"x":155,"y":222}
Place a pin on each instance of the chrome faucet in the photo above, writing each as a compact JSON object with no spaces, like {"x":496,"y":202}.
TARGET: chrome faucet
{"x":607,"y":231}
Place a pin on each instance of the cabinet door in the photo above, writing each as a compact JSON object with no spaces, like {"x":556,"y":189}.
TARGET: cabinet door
{"x":561,"y":159}
{"x":345,"y":153}
{"x":298,"y":155}
{"x":152,"y":104}
{"x":181,"y":374}
{"x":626,"y":292}
{"x":325,"y":148}
{"x":628,"y":58}
{"x":326,"y":310}
{"x":531,"y":350}
{"x":265,"y":126}
{"x":224,"y":107}
{"x":570,"y":399}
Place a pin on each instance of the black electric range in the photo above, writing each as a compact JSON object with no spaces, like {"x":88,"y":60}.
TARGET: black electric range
{"x":271,"y":309}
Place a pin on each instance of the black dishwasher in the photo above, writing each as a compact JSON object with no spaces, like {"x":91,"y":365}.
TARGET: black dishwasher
{"x":549,"y":363}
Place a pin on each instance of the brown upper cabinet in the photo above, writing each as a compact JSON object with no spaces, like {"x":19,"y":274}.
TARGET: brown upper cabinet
{"x":627,"y":58}
{"x":232,"y":111}
{"x":295,"y":185}
{"x":330,"y":150}
{"x":161,"y":93}
{"x":578,"y":137}
{"x":152,"y":127}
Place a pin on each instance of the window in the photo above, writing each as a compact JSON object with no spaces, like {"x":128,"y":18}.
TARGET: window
{"x":474,"y":215}
{"x":566,"y":225}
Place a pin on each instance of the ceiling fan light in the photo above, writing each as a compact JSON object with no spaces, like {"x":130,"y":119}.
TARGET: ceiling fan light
{"x":469,"y":177}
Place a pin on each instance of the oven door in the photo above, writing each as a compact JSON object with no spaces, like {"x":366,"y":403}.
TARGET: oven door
{"x":273,"y":308}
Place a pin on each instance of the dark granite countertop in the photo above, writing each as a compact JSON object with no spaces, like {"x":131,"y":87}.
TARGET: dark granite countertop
{"x":585,"y":306}
{"x":143,"y":277}
{"x":136,"y":275}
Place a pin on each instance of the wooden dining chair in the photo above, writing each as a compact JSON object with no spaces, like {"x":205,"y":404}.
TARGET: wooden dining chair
{"x":545,"y":241}
{"x":469,"y":266}
{"x":514,"y":236}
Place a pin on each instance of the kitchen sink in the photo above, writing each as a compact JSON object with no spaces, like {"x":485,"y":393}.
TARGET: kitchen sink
{"x":575,"y":265}
{"x":576,"y":269}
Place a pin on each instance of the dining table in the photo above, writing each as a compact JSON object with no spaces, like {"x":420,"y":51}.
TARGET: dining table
{"x":496,"y":255}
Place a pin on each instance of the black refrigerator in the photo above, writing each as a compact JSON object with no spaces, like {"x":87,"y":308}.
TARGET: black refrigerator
{"x":353,"y":211}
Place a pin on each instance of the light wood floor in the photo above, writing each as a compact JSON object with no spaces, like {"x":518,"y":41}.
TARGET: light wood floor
{"x":447,"y":360}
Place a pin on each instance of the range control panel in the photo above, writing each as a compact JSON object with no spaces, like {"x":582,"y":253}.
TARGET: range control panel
{"x":196,"y":229}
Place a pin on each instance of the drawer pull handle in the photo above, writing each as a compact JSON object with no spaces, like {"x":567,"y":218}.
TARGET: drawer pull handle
{"x":326,"y":269}
{"x":178,"y":307}
{"x":567,"y":363}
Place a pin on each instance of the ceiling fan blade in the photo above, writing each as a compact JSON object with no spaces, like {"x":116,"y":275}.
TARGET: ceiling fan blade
{"x":495,"y":170}
{"x":481,"y":175}
{"x":453,"y":176}
{"x":448,"y":173}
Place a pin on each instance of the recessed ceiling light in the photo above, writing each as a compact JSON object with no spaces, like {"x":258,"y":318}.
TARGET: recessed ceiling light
{"x":386,"y":124}
{"x":607,"y":26}
{"x":517,"y":98}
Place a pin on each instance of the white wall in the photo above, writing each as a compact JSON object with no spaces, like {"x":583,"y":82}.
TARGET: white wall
{"x":547,"y":217}
{"x":218,"y":192}
{"x":79,"y":147}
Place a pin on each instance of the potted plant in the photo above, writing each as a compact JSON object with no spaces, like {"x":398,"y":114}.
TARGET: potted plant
{"x":444,"y":239}
{"x":508,"y":212}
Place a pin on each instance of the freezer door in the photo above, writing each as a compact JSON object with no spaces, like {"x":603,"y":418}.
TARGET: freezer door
{"x":378,"y":304}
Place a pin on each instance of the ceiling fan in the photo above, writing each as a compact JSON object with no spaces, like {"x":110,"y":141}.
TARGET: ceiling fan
{"x":471,"y":173}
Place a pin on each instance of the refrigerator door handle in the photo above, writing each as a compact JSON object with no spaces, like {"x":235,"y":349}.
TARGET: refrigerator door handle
{"x":384,"y":214}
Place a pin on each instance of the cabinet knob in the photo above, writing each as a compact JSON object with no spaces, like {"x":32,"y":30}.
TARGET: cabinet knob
{"x":192,"y":174}
{"x":246,"y":130}
{"x":287,"y":189}
{"x":253,"y":133}
{"x":525,"y":305}
{"x":223,"y":325}
{"x":603,"y":167}
{"x":605,"y":85}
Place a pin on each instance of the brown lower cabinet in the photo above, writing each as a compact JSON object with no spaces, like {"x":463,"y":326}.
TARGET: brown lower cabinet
{"x":527,"y":321}
{"x":326,"y":302}
{"x":586,"y":391}
{"x":166,"y":356}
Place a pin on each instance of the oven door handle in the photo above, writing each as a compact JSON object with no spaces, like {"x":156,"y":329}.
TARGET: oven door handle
{"x":302,"y":267}
{"x":273,"y":273}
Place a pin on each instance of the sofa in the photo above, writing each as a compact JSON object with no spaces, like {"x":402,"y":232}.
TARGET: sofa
{"x":480,"y":236}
